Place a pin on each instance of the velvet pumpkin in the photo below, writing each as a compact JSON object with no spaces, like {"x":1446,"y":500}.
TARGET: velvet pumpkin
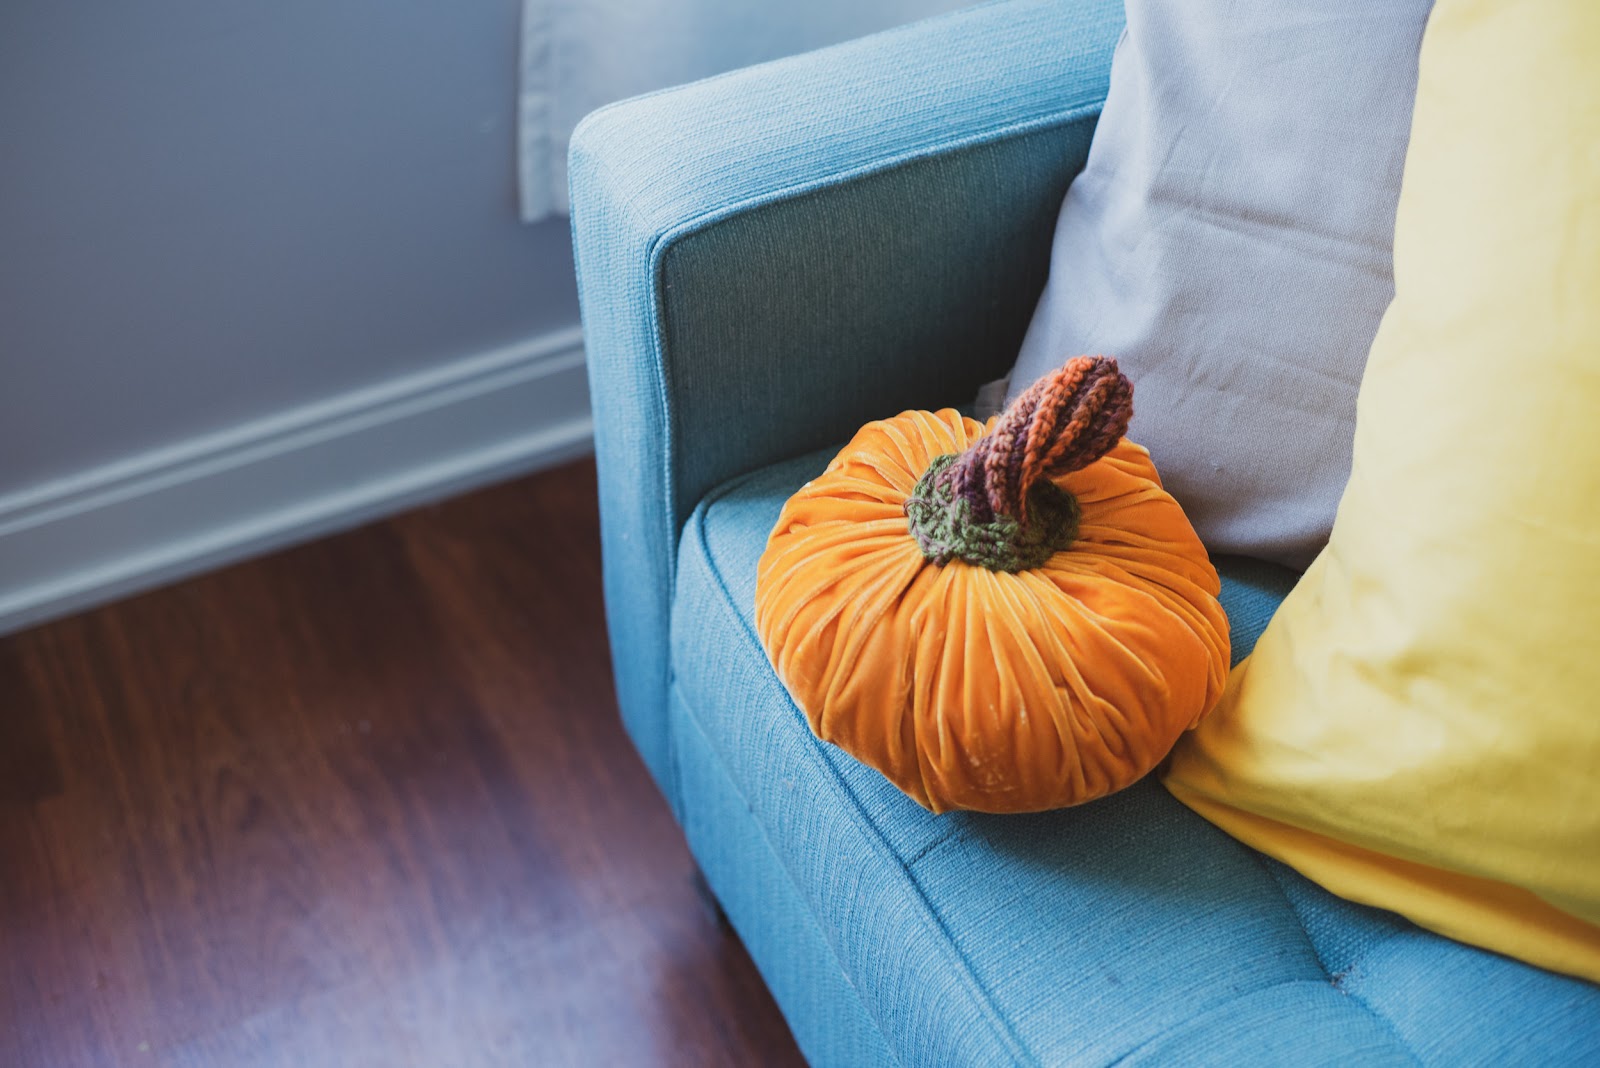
{"x":1007,"y":618}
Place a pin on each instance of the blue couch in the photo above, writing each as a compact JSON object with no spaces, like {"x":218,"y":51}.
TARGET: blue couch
{"x":767,"y":260}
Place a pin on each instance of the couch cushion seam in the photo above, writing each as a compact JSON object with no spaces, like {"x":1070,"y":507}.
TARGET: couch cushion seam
{"x":1383,"y":1021}
{"x":1236,"y":999}
{"x":1334,"y":981}
{"x":910,"y":862}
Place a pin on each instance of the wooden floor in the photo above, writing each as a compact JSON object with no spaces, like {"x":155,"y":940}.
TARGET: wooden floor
{"x":363,"y":802}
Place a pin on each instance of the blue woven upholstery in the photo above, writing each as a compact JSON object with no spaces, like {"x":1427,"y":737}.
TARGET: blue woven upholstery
{"x":767,"y":260}
{"x":1127,"y":928}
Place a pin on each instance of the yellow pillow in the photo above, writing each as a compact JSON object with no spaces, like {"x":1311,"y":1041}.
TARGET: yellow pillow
{"x":1419,"y":727}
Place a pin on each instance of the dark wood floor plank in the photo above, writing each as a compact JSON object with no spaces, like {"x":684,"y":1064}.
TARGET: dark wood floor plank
{"x":365,"y":801}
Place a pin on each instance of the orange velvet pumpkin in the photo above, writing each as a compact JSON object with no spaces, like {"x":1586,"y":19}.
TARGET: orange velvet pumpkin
{"x":1007,"y":622}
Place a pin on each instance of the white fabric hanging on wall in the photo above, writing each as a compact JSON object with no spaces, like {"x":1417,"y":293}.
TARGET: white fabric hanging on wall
{"x":580,"y":54}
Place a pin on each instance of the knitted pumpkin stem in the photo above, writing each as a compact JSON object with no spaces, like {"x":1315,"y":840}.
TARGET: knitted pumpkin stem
{"x":995,"y":504}
{"x":1065,"y":421}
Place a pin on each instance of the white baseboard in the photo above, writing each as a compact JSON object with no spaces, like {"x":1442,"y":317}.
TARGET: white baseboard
{"x":158,"y":516}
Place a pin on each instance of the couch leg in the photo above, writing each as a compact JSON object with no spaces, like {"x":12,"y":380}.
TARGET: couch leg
{"x":708,"y":898}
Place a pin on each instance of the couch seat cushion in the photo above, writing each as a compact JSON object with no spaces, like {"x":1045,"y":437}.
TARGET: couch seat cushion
{"x":1127,"y":930}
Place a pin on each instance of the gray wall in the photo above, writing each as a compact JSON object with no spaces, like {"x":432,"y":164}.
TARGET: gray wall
{"x":212,"y":211}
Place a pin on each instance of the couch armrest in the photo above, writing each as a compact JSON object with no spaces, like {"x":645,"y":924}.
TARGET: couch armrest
{"x":770,"y":258}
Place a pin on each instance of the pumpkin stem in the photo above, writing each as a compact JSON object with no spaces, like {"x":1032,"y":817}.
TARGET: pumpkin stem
{"x":996,"y":504}
{"x":1065,"y":421}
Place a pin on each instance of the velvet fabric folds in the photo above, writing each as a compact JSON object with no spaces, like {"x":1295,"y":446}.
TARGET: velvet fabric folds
{"x":989,"y":690}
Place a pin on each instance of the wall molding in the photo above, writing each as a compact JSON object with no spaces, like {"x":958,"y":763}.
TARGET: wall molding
{"x":126,"y":526}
